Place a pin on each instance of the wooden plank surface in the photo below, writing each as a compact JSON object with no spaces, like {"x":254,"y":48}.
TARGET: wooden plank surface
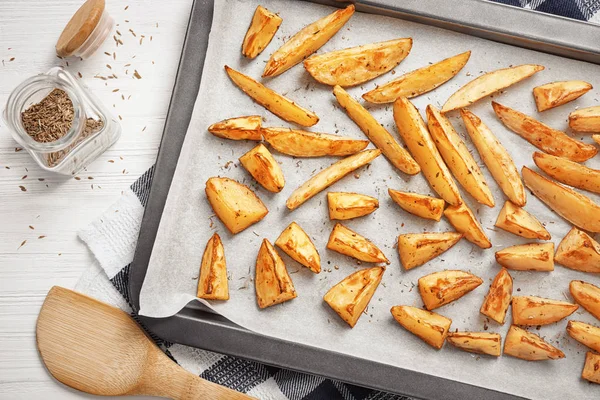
{"x":57,"y":207}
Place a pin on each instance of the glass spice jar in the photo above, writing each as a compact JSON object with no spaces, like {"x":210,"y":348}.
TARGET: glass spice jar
{"x":86,"y":131}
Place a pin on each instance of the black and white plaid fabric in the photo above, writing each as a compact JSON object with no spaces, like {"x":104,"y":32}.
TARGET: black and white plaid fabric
{"x":243,"y":375}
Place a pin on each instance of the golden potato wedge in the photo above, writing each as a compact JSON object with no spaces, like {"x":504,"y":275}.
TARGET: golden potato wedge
{"x":568,"y":172}
{"x":443,"y":287}
{"x":346,"y":241}
{"x":272,"y":282}
{"x":457,"y":157}
{"x":495,"y":156}
{"x":586,"y":334}
{"x":487,"y":84}
{"x":306,"y":41}
{"x":350,"y":297}
{"x":587,"y":296}
{"x":432,"y":328}
{"x":263,"y":27}
{"x":532,"y":310}
{"x":591,"y":368}
{"x":235,"y":204}
{"x":299,"y":143}
{"x":419,"y":204}
{"x":462,"y":219}
{"x":528,"y":346}
{"x":240,"y":128}
{"x":527,"y":257}
{"x":297,"y":244}
{"x":579,"y":251}
{"x":417,"y":248}
{"x":576,"y":208}
{"x":345,"y":205}
{"x":356,"y":65}
{"x":477,"y":342}
{"x":212,"y":282}
{"x":556,"y":94}
{"x":329,"y":176}
{"x":419,"y":81}
{"x":585,"y":119}
{"x":262,"y":166}
{"x":414,"y":132}
{"x":278,"y":104}
{"x":376,"y":133}
{"x":498,"y":298}
{"x":542,"y":136}
{"x":514,"y":219}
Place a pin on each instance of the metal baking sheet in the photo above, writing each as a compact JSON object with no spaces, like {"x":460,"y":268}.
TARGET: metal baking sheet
{"x":220,"y":335}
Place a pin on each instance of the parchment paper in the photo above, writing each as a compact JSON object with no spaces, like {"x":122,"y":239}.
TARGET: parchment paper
{"x":188,"y":220}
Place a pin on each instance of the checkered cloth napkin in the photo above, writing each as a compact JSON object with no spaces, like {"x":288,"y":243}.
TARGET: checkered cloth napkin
{"x":112,"y":238}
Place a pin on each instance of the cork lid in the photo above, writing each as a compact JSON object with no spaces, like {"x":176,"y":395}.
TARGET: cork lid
{"x":80,"y":27}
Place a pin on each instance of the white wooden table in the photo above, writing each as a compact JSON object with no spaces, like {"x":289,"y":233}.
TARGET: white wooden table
{"x":53,"y":208}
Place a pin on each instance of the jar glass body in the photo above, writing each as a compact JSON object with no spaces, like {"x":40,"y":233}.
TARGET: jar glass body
{"x":79,"y":146}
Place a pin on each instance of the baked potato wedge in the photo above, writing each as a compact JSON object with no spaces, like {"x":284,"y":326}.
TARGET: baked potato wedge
{"x":376,"y":133}
{"x":498,"y":298}
{"x":545,"y":138}
{"x":585,"y":334}
{"x":568,"y":172}
{"x":350,"y":297}
{"x":418,"y":204}
{"x":300,"y":143}
{"x":346,"y":241}
{"x":585,"y":119}
{"x":532,"y":310}
{"x":489,"y":83}
{"x":263,"y":27}
{"x":457,"y":157}
{"x":462,"y":219}
{"x":576,"y":208}
{"x":262,"y":166}
{"x":417,"y":248}
{"x":306,"y":41}
{"x":443,"y":287}
{"x":528,"y":346}
{"x":556,"y":94}
{"x":527,"y":257}
{"x":212,"y":282}
{"x":356,"y":65}
{"x":329,"y":176}
{"x":345,"y":205}
{"x":496,"y":158}
{"x":236,"y":205}
{"x":419,"y":81}
{"x":579,"y":251}
{"x":297,"y":244}
{"x":272,"y":282}
{"x":591,"y":368}
{"x":240,"y":128}
{"x":414,"y":132}
{"x":278,"y":104}
{"x":514,"y":219}
{"x":477,"y":342}
{"x":587,"y":296}
{"x":432,"y":328}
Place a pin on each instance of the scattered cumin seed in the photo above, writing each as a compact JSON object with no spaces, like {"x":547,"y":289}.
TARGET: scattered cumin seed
{"x":41,"y":236}
{"x":132,"y":32}
{"x":123,"y":97}
{"x":144,"y":128}
{"x":111,"y":161}
{"x":24,"y":177}
{"x":127,"y":65}
{"x":120,"y":42}
{"x":108,"y":66}
{"x":89,"y":177}
{"x":23,"y":188}
{"x":118,"y":33}
{"x":121,"y":118}
{"x":126,"y":7}
{"x":114,"y":56}
{"x":77,"y":178}
{"x":107,"y":53}
{"x":136,"y":74}
{"x":115,"y":90}
{"x":11,"y":59}
{"x":22,"y":244}
{"x":31,"y":227}
{"x":41,"y":179}
{"x":79,"y":74}
{"x":18,"y":149}
{"x":151,"y":39}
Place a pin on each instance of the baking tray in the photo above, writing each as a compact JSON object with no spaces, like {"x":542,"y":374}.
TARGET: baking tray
{"x":195,"y":325}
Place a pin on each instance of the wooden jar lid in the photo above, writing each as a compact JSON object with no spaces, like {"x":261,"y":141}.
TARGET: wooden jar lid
{"x":80,"y":27}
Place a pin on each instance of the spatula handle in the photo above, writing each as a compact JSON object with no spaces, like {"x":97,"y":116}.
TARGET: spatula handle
{"x":164,"y":378}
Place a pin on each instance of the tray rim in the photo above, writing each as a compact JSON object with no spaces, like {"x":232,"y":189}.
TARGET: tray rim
{"x":196,"y":326}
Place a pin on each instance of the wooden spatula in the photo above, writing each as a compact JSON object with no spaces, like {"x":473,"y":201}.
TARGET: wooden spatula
{"x":99,"y":349}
